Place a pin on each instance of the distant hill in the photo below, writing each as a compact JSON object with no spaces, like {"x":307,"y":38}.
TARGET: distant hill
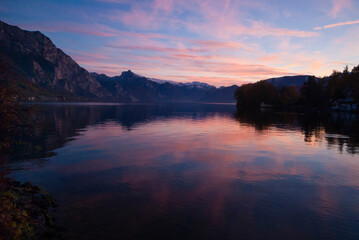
{"x":130,"y":87}
{"x":220,"y":95}
{"x":280,"y":82}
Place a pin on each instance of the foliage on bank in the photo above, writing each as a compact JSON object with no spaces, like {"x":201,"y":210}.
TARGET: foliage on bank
{"x":315,"y":92}
{"x":24,"y":211}
{"x":24,"y":208}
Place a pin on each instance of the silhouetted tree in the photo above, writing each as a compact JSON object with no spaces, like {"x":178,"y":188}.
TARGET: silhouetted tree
{"x":313,"y":92}
{"x":354,"y":82}
{"x":255,"y":94}
{"x":289,"y":95}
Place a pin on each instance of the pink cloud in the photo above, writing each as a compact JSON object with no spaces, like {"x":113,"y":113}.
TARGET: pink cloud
{"x":177,"y":45}
{"x":338,"y":6}
{"x":268,"y":58}
{"x":224,"y":20}
{"x":217,"y":81}
{"x":204,"y":43}
{"x":95,"y":29}
{"x":192,"y":57}
{"x":337,"y":25}
{"x":257,"y":29}
{"x":147,"y":16}
{"x":92,"y":55}
{"x":261,"y":29}
{"x":203,"y":39}
{"x":158,"y":49}
{"x":115,"y":1}
{"x":216,"y":18}
{"x":140,"y":19}
{"x":166,"y":6}
{"x":234,"y":69}
{"x":180,"y":65}
{"x":214,"y":44}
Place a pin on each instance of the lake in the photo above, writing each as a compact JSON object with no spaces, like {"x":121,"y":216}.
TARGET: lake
{"x":194,"y":171}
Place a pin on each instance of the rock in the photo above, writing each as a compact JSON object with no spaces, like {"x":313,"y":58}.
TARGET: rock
{"x":24,"y":212}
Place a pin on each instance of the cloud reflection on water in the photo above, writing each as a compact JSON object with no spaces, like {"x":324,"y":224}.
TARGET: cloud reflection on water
{"x":198,"y":171}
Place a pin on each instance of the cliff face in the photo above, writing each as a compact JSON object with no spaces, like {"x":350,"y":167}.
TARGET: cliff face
{"x":36,"y":58}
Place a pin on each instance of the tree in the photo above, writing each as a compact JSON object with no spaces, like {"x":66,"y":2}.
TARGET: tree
{"x":253,"y":94}
{"x":288,"y":95}
{"x":354,"y":82}
{"x":313,"y":92}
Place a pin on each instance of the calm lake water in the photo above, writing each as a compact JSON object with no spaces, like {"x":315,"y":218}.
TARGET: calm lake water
{"x":194,"y":171}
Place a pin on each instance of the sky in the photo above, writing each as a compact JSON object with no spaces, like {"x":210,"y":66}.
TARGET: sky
{"x":220,"y":42}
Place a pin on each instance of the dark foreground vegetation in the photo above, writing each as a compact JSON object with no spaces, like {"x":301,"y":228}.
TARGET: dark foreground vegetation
{"x":24,"y":208}
{"x":339,"y":87}
{"x":24,"y":211}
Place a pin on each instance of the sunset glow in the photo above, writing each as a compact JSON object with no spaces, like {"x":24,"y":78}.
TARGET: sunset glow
{"x":218,"y":42}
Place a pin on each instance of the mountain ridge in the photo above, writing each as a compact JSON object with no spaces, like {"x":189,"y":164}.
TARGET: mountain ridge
{"x":53,"y":75}
{"x":36,"y":58}
{"x":279,"y":82}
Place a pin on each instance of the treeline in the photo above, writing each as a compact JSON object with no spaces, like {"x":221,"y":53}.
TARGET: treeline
{"x":315,"y":92}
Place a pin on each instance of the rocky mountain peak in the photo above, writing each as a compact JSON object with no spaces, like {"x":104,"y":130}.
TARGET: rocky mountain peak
{"x":128,"y":74}
{"x":36,"y":58}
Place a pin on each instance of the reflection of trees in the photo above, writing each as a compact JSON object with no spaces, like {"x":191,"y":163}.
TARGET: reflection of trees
{"x":21,"y":214}
{"x":54,"y":125}
{"x":344,"y":124}
{"x":17,"y":123}
{"x":339,"y":130}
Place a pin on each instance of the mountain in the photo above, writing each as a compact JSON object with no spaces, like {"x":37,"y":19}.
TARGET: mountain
{"x":37,"y":59}
{"x":286,"y":81}
{"x":12,"y":80}
{"x":32,"y":64}
{"x":220,"y":95}
{"x":131,"y":87}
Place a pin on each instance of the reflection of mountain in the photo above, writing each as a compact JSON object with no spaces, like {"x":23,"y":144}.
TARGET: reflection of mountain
{"x":56,"y":123}
{"x":137,"y":171}
{"x":338,"y":129}
{"x":129,"y":116}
